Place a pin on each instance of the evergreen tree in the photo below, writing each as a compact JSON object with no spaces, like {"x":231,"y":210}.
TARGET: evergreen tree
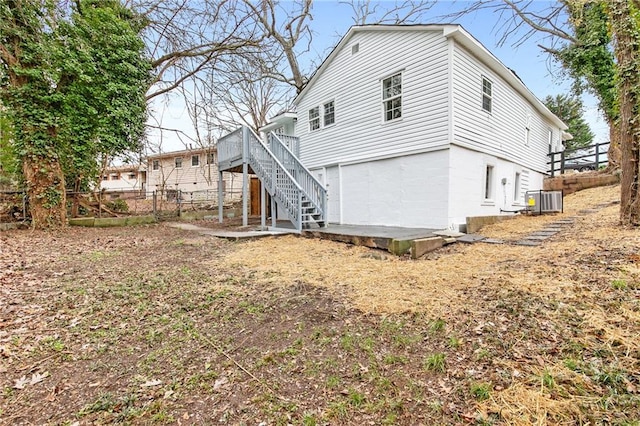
{"x":570,"y":110}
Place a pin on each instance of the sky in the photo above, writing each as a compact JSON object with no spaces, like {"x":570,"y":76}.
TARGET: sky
{"x":331,"y":20}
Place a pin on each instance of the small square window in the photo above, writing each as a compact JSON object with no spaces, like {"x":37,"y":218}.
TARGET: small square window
{"x":314,"y":118}
{"x":115,"y":177}
{"x":178,"y":162}
{"x":355,"y":48}
{"x":105,"y":177}
{"x":132,"y":176}
{"x":155,"y":165}
{"x":195,"y":160}
{"x":487,"y":94}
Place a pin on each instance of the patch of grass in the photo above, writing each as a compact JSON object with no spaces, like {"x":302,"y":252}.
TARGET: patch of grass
{"x":481,"y":391}
{"x":435,"y":362}
{"x":333,"y":382}
{"x":356,"y":399}
{"x":54,"y":343}
{"x":454,"y":342}
{"x":437,"y":326}
{"x":547,"y":380}
{"x":309,"y":420}
{"x":619,"y":284}
{"x":391,"y":359}
{"x":347,"y":342}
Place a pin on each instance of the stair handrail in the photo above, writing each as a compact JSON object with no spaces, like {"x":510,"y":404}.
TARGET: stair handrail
{"x":272,"y":179}
{"x":229,"y":146}
{"x":312,"y":188}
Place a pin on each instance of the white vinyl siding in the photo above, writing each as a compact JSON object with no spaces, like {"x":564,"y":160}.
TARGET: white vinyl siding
{"x":354,"y":82}
{"x":503,"y":133}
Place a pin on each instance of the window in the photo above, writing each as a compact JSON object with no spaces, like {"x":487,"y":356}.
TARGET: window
{"x":115,"y":177}
{"x":195,"y":160}
{"x":155,"y":165}
{"x":211,"y":158}
{"x":392,"y":97}
{"x":550,"y":140}
{"x":314,"y":118}
{"x":105,"y":177}
{"x":329,"y":113}
{"x":527,"y":131}
{"x":178,"y":162}
{"x":487,"y":94}
{"x":132,"y":176}
{"x":516,"y":188}
{"x":355,"y":48}
{"x":488,"y":182}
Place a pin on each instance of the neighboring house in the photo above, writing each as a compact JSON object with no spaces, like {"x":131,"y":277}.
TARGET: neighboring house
{"x":126,"y":179}
{"x":421,"y":126}
{"x":194,"y":172}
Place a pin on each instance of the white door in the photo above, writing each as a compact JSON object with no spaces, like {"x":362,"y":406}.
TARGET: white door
{"x":333,"y":194}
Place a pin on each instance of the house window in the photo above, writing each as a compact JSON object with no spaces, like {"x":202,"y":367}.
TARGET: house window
{"x":115,"y":177}
{"x":105,"y":177}
{"x":329,"y":113}
{"x":355,"y":48}
{"x":392,"y":97}
{"x":132,"y":176}
{"x":487,"y":94}
{"x":488,"y":182}
{"x":314,"y":118}
{"x":155,"y":165}
{"x":527,"y":132}
{"x":211,"y":159}
{"x":195,"y":160}
{"x":178,"y":162}
{"x":516,"y":188}
{"x":550,"y":140}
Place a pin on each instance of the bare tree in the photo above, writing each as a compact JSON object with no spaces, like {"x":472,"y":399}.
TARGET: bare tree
{"x":397,"y":13}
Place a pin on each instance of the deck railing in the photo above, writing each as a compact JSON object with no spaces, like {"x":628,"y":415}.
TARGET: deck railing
{"x":229,"y":148}
{"x":312,"y":188}
{"x":291,"y":142}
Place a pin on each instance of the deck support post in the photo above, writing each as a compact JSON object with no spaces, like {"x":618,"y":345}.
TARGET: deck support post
{"x":263,"y":207}
{"x":220,"y":196}
{"x":245,"y":175}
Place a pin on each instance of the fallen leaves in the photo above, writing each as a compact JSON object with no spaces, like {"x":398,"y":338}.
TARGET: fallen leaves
{"x":36,"y":378}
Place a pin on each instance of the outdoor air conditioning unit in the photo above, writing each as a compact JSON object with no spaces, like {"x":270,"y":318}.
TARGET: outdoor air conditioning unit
{"x":539,"y":202}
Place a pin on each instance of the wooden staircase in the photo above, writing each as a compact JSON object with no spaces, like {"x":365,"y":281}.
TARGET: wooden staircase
{"x":281,"y":173}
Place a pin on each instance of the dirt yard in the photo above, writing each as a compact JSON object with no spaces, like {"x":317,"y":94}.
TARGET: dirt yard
{"x":154,"y":325}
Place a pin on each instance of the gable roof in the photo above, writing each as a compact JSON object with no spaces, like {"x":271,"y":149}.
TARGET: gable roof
{"x":461,"y":36}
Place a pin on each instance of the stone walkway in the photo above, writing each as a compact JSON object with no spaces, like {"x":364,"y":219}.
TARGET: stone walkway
{"x":226,"y":234}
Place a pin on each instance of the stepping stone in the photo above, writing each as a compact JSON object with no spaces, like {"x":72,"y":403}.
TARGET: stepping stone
{"x":448,"y":233}
{"x":550,"y":229}
{"x":527,"y":243}
{"x":471,"y":238}
{"x":545,"y":233}
{"x":492,"y":241}
{"x":537,"y":237}
{"x":587,"y":211}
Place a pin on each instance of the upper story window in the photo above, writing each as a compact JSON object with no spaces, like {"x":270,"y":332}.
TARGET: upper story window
{"x":329,"y":113}
{"x":550,"y":140}
{"x":132,"y":176}
{"x":392,"y":97}
{"x":195,"y":160}
{"x":487,"y":94}
{"x":115,"y":177}
{"x":178,"y":162}
{"x":105,"y":177}
{"x":314,"y":118}
{"x":155,"y":165}
{"x":211,"y":159}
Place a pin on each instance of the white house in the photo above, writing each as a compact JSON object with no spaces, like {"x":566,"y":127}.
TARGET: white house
{"x":194,"y":172}
{"x":124,"y":180}
{"x":421,"y":126}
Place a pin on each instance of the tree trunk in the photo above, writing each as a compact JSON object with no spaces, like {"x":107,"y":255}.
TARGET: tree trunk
{"x":627,"y":48}
{"x":46,"y":191}
{"x":614,"y":155}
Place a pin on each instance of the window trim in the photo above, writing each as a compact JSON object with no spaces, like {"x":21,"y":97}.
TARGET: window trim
{"x":485,"y":95}
{"x":488,"y":184}
{"x":155,"y":165}
{"x":315,"y":118}
{"x":392,"y":98}
{"x":196,"y":156}
{"x":175,"y":162}
{"x":324,"y":113}
{"x":517,"y":187}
